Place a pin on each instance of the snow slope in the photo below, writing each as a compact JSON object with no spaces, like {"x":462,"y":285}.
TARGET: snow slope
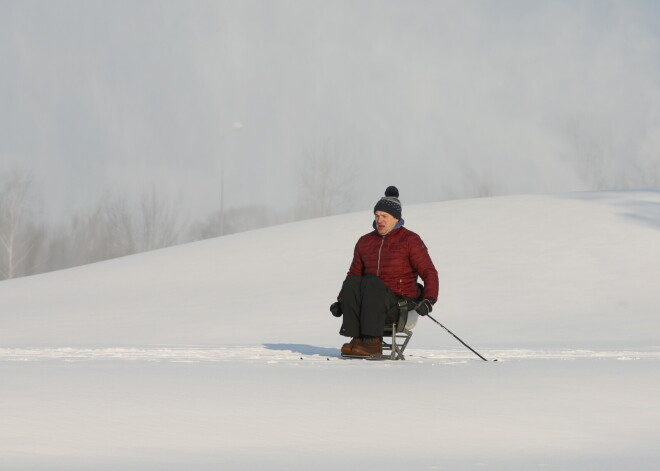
{"x":573,"y":270}
{"x":222,"y":354}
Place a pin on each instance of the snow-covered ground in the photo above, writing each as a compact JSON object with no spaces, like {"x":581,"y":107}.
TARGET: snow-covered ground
{"x":222,"y":354}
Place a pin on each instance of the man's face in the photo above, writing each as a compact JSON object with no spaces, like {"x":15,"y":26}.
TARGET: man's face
{"x":385,"y":222}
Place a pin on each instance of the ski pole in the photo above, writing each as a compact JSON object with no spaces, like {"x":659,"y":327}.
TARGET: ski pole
{"x":473,"y":351}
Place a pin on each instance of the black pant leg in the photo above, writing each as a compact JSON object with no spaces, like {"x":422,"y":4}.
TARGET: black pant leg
{"x":351,"y":300}
{"x":366,"y":303}
{"x":377,"y":301}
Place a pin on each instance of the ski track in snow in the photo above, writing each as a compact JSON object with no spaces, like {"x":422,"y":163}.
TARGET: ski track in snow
{"x":284,"y":353}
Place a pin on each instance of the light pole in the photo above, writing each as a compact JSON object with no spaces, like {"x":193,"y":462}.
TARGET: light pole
{"x":236,"y":127}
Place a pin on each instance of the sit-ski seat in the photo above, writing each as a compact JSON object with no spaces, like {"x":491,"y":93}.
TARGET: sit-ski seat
{"x":399,"y":332}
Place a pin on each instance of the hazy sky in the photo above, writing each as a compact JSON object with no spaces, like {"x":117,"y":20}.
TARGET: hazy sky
{"x":441,"y":98}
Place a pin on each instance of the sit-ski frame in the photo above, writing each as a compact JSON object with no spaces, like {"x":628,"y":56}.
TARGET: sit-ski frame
{"x":396,"y":349}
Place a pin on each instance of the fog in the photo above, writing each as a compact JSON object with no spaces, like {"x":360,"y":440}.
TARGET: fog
{"x":445,"y":99}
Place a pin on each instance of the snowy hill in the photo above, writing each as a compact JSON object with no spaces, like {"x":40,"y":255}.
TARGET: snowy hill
{"x":575,"y":270}
{"x":222,"y":354}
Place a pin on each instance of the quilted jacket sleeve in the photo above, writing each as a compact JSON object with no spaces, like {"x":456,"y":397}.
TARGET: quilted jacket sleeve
{"x":357,"y":265}
{"x":423,"y":265}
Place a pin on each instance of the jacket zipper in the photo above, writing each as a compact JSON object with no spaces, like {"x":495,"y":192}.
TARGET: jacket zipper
{"x":379,"y":252}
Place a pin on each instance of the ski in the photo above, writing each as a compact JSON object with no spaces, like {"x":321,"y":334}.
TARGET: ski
{"x":369,"y":357}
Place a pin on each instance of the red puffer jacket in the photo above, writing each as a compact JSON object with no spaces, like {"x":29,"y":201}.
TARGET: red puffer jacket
{"x":396,"y":258}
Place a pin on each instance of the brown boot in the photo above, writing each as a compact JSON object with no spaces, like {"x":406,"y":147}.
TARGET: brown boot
{"x":347,"y":348}
{"x":369,"y":346}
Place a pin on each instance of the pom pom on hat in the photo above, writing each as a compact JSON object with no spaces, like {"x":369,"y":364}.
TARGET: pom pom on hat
{"x":392,"y":191}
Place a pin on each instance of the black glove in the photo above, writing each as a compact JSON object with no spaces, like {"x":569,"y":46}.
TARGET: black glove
{"x":335,"y":309}
{"x":424,"y":307}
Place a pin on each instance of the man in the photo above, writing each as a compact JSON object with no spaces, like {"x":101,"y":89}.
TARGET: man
{"x":384,"y":271}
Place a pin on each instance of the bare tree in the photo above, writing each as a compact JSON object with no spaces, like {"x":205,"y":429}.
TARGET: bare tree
{"x":99,"y":233}
{"x":325,"y":185}
{"x":157,"y":223}
{"x":115,"y":228}
{"x":104,"y":232}
{"x":20,"y":233}
{"x":236,"y":220}
{"x":111,"y":229}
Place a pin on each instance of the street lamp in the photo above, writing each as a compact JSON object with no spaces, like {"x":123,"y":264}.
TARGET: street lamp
{"x":236,"y":126}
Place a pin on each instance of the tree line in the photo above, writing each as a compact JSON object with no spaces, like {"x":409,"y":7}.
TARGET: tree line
{"x":115,"y":226}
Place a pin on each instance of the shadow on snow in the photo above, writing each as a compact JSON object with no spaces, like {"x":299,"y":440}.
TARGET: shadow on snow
{"x":303,"y":349}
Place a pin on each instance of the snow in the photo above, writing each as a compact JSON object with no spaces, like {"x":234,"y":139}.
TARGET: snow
{"x":222,"y":354}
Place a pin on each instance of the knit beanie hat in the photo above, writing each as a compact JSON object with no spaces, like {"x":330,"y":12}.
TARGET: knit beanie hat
{"x":390,"y":202}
